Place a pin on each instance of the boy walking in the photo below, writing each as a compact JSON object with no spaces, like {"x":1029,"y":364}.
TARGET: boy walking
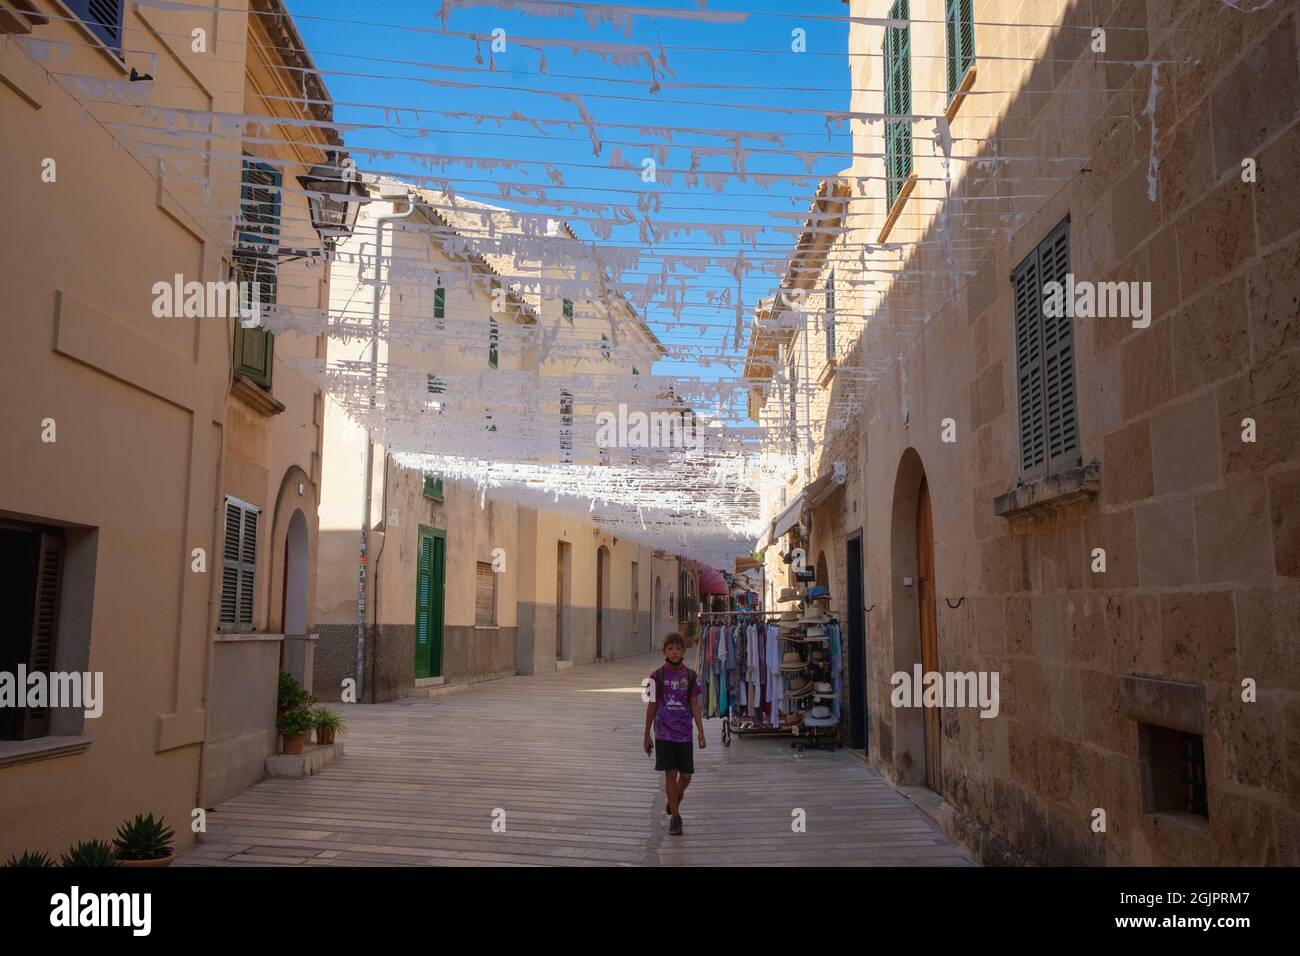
{"x":673,"y":705}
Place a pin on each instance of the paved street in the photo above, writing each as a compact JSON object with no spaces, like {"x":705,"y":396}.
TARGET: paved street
{"x":560,"y":754}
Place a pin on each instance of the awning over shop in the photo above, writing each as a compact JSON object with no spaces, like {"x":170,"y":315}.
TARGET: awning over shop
{"x":824,"y":486}
{"x":783,"y":522}
{"x":712,"y":582}
{"x":809,"y":498}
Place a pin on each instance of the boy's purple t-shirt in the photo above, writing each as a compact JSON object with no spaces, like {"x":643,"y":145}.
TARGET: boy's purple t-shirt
{"x":673,"y":718}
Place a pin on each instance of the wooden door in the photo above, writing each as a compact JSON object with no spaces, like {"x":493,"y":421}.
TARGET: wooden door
{"x":600,"y":603}
{"x":929,"y":633}
{"x":559,"y":600}
{"x":430,"y":581}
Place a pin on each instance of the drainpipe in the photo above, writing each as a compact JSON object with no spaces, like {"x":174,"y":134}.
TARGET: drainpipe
{"x":370,"y":443}
{"x":383,"y":546}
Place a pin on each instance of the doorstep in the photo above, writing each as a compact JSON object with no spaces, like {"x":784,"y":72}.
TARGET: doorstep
{"x":933,"y":805}
{"x":313,"y":759}
{"x":430,"y":681}
{"x":563,"y":665}
{"x":434,"y":690}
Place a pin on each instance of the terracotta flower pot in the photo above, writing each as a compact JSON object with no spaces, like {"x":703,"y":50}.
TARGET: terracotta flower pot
{"x":294,"y":744}
{"x":324,"y":737}
{"x":161,"y":861}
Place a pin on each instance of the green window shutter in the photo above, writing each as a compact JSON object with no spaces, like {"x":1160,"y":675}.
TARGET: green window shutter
{"x":439,"y":303}
{"x":102,"y":17}
{"x":1045,"y":387}
{"x":635,"y":370}
{"x":432,"y":487}
{"x":436,"y":385}
{"x":568,"y":310}
{"x":254,"y":354}
{"x":605,"y":348}
{"x":898,"y":102}
{"x":494,"y":355}
{"x":959,"y":27}
{"x":238,"y":566}
{"x":829,"y":321}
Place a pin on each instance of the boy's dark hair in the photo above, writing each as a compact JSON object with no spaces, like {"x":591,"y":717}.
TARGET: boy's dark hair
{"x":673,"y":638}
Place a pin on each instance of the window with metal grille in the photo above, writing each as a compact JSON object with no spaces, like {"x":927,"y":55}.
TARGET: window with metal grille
{"x":898,"y":102}
{"x":494,"y":333}
{"x":568,"y":310}
{"x":959,"y":20}
{"x":829,"y":321}
{"x":31,"y":573}
{"x":1045,"y":395}
{"x":432,"y":487}
{"x":566,"y":427}
{"x":103,"y":18}
{"x":1173,"y":771}
{"x":485,"y":596}
{"x":238,"y":566}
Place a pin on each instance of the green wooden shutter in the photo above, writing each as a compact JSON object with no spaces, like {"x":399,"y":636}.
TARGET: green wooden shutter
{"x":432,"y":487}
{"x":966,"y":34}
{"x":1027,"y":301}
{"x":829,"y":322}
{"x":429,"y":596}
{"x":605,"y":348}
{"x":959,"y":23}
{"x":568,"y":310}
{"x":436,"y":385}
{"x":238,"y":566}
{"x":254,"y":354}
{"x":256,"y":243}
{"x":1058,"y":358}
{"x":494,"y":355}
{"x":898,"y":102}
{"x":439,"y":304}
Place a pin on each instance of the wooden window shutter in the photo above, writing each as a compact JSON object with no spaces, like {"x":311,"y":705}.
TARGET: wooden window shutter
{"x":35,"y":721}
{"x":439,"y":303}
{"x":1058,"y":358}
{"x":103,"y":18}
{"x":568,"y":310}
{"x":254,"y":354}
{"x":485,"y":596}
{"x":432,"y":487}
{"x":952,"y":32}
{"x":830,"y":317}
{"x":238,"y":566}
{"x":494,"y":355}
{"x":959,"y":22}
{"x":605,"y":348}
{"x":566,"y":427}
{"x":1045,"y":387}
{"x":898,"y":102}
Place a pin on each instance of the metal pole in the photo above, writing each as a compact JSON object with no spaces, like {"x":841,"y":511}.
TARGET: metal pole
{"x":370,"y":445}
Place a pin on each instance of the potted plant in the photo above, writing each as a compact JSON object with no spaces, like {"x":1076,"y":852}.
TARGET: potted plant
{"x":30,"y":858}
{"x":90,"y":853}
{"x":327,"y":724}
{"x":294,"y":725}
{"x":144,"y":841}
{"x":290,"y":694}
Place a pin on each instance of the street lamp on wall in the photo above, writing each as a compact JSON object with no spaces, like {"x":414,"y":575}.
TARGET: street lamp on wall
{"x":335,"y":194}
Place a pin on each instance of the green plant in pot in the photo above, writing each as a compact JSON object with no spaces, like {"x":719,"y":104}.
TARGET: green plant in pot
{"x":294,"y":726}
{"x":327,"y":724}
{"x":30,"y":858}
{"x":144,"y":841}
{"x":90,"y":853}
{"x":291,"y":694}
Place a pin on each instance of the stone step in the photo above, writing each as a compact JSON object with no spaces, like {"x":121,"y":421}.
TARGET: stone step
{"x":313,"y":759}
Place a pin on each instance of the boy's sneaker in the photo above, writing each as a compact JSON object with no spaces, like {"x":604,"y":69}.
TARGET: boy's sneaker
{"x":675,"y":828}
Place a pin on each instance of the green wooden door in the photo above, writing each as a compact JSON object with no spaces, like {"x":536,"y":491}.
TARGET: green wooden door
{"x":429,"y":592}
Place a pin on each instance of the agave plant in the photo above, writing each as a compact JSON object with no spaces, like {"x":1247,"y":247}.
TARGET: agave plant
{"x":30,"y":858}
{"x":144,"y":838}
{"x":90,"y":853}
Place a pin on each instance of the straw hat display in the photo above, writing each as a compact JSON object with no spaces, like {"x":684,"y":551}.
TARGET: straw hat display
{"x":791,"y":661}
{"x":820,"y":712}
{"x":814,"y":615}
{"x":787,"y":595}
{"x":815,"y":633}
{"x":823,"y":690}
{"x":799,"y":687}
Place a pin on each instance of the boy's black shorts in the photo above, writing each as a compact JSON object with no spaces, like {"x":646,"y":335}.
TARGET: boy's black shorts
{"x":672,"y":755}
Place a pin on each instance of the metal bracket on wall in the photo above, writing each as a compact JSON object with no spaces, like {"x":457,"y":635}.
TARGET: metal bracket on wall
{"x":869,"y":609}
{"x":954,"y":606}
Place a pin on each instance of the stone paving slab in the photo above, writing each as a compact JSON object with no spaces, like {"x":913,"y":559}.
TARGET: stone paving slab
{"x":561,"y":755}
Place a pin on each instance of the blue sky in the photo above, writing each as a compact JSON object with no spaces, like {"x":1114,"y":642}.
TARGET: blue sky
{"x":818,"y":79}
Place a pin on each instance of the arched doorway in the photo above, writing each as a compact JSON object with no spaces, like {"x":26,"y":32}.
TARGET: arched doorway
{"x":655,"y":636}
{"x":602,"y":598}
{"x":917,"y":730}
{"x":293,"y":597}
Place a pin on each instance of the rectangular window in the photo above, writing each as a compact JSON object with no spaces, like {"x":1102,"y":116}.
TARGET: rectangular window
{"x":257,"y":240}
{"x":566,"y":427}
{"x":635,"y":370}
{"x":568,"y":310}
{"x":494,"y":355}
{"x":103,"y":17}
{"x":898,"y":102}
{"x":31,"y":573}
{"x":1173,"y":771}
{"x":829,"y":321}
{"x":1049,"y":440}
{"x":432,"y":487}
{"x":238,"y":566}
{"x":485,"y":596}
{"x":959,"y":19}
{"x":439,"y":305}
{"x":605,"y":350}
{"x":636,"y":596}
